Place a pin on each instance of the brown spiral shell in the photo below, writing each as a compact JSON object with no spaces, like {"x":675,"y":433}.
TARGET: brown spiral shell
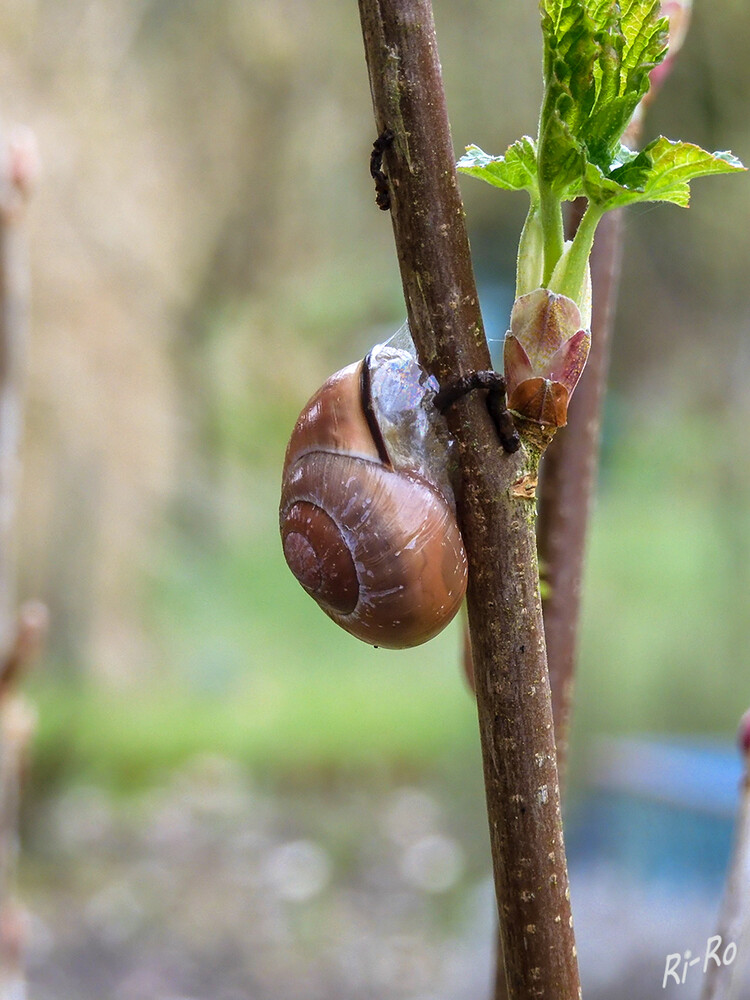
{"x":367,"y":517}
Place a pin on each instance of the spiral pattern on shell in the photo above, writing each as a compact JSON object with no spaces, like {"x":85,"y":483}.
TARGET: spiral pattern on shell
{"x":377,"y":547}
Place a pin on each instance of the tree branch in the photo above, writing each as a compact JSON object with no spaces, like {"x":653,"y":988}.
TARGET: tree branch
{"x":495,"y":512}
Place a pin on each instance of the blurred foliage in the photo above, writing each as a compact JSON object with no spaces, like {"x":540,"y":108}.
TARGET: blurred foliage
{"x":206,"y":249}
{"x":296,"y":700}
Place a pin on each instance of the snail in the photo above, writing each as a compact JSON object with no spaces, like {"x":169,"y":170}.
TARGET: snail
{"x":367,"y":515}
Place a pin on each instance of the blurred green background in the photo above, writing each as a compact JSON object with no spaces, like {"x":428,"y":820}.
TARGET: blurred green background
{"x":205,"y":251}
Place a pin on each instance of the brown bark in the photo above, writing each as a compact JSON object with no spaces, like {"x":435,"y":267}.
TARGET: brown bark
{"x":497,"y":520}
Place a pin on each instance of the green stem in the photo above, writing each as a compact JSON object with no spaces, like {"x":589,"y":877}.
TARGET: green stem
{"x":550,"y":207}
{"x":570,"y":282}
{"x":530,"y":253}
{"x":550,"y":211}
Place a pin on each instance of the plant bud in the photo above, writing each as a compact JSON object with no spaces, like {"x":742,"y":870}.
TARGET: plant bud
{"x":545,"y":351}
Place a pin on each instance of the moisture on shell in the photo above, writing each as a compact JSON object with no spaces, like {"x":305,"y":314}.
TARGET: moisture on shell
{"x":415,"y":434}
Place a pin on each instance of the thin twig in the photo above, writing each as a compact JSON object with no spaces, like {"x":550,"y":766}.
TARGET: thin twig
{"x":15,"y":168}
{"x":17,"y":725}
{"x":723,"y":978}
{"x":20,"y":634}
{"x":496,"y":514}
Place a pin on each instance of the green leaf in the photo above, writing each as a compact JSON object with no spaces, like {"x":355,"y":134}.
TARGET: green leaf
{"x":662,"y":171}
{"x":639,"y":42}
{"x":598,"y":56}
{"x":570,"y":51}
{"x":515,"y":171}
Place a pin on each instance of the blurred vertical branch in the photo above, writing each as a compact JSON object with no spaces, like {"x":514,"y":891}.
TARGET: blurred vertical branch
{"x":16,"y":171}
{"x":568,"y":480}
{"x":20,"y":632}
{"x":570,"y":468}
{"x":723,"y":977}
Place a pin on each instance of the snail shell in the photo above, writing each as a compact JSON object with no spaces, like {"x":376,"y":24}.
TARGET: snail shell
{"x":367,"y":513}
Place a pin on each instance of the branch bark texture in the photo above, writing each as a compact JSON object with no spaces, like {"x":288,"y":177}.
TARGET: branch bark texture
{"x":496,"y":515}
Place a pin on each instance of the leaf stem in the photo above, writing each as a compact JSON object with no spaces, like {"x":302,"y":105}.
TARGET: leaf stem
{"x":550,"y":211}
{"x":530,"y":253}
{"x":570,"y":281}
{"x":550,"y":206}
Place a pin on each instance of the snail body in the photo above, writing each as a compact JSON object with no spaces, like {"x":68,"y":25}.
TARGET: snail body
{"x":367,"y":514}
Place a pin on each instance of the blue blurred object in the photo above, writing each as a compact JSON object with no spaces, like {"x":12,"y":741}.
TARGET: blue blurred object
{"x":496,"y":298}
{"x":661,"y":809}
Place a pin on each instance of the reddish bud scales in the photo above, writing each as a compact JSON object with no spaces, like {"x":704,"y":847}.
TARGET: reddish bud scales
{"x":545,"y":351}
